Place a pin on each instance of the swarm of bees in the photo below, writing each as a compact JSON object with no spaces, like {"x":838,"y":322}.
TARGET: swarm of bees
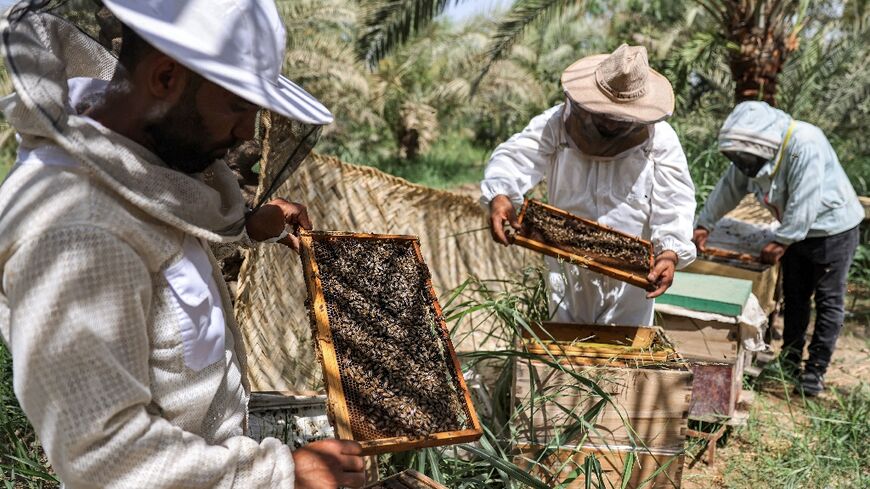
{"x":582,"y":239}
{"x":397,"y":375}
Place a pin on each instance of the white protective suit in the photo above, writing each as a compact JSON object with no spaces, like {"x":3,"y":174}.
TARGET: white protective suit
{"x":126,"y":355}
{"x":645,"y":191}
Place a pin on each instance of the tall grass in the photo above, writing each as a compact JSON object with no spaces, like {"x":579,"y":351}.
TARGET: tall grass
{"x":511,"y":307}
{"x":792,"y":442}
{"x":22,"y":461}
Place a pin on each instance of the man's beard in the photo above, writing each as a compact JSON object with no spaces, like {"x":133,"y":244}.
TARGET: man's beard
{"x":179,"y":135}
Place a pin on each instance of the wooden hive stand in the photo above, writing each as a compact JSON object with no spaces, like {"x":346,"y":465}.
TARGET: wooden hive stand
{"x":352,"y":403}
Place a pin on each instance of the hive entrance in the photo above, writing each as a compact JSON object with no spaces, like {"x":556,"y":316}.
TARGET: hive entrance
{"x":392,"y":353}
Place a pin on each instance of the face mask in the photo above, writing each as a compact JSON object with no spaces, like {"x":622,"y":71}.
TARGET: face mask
{"x":748,"y":163}
{"x":598,"y":135}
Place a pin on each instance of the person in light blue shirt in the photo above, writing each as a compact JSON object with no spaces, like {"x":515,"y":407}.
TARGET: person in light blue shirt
{"x":794,"y":172}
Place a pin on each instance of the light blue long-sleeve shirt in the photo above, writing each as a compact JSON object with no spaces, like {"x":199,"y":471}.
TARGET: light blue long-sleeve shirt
{"x":809,"y":193}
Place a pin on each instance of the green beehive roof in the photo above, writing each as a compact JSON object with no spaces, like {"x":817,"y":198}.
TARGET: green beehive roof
{"x":708,"y":293}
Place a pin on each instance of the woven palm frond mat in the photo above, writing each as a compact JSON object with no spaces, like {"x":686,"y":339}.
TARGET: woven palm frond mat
{"x":270,"y":304}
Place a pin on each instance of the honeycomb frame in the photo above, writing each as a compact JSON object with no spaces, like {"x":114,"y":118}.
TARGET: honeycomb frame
{"x":342,"y":408}
{"x":591,"y":262}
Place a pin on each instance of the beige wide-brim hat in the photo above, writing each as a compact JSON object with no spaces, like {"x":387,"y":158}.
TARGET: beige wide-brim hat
{"x":620,"y":85}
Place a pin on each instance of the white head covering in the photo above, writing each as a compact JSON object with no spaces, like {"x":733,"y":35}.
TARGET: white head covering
{"x":237,"y":44}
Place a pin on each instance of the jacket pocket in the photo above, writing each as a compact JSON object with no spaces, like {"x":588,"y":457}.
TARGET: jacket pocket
{"x":201,"y":322}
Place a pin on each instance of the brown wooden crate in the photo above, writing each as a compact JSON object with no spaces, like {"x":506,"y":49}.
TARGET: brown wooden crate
{"x":697,"y":340}
{"x":605,"y":266}
{"x":716,"y":356}
{"x":649,"y":406}
{"x":716,"y":389}
{"x":564,"y":463}
{"x":339,"y":405}
{"x":408,"y":479}
{"x":650,"y":384}
{"x":764,"y":277}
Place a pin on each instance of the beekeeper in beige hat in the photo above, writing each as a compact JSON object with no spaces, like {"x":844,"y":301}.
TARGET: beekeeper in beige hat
{"x":126,"y":356}
{"x":607,"y":155}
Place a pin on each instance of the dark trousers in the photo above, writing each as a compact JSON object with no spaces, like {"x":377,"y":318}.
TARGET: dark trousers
{"x":816,"y":266}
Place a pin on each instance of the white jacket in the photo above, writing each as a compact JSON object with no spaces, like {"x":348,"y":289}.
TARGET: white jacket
{"x":126,"y":357}
{"x":645,"y":191}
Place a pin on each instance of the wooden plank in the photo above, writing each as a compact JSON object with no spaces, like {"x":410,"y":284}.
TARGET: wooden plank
{"x":337,"y":406}
{"x":648,"y":407}
{"x":614,"y":362}
{"x":364,"y":236}
{"x":708,"y":293}
{"x":405,"y":443}
{"x":638,"y":280}
{"x":635,"y":344}
{"x":722,"y":253}
{"x":561,"y":465}
{"x":638,"y":337}
{"x":628,"y":353}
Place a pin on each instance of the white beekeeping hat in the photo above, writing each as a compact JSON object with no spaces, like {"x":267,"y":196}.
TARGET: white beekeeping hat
{"x":237,"y":44}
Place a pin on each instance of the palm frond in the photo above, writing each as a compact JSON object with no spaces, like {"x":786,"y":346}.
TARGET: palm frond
{"x":387,"y":24}
{"x":717,"y":10}
{"x":522,"y":15}
{"x":829,"y":71}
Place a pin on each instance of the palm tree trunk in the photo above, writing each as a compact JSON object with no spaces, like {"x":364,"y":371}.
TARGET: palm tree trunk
{"x":755,"y":67}
{"x":763,"y":37}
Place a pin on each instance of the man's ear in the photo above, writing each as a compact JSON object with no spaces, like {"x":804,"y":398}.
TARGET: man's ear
{"x":166,"y":78}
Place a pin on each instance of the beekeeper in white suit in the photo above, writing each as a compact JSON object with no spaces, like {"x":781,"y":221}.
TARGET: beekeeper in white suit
{"x":125,"y":354}
{"x":607,"y":155}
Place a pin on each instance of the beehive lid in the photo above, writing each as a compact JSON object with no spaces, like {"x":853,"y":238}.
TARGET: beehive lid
{"x":708,"y":293}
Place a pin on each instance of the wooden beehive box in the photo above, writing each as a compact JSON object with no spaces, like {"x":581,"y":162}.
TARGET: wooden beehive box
{"x":408,"y":479}
{"x":562,"y":467}
{"x":717,"y":358}
{"x":712,"y":347}
{"x":727,"y":263}
{"x":392,"y":377}
{"x":649,"y":386}
{"x":554,"y":232}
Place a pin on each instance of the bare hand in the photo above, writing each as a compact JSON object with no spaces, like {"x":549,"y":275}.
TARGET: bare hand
{"x":662,"y":274}
{"x":501,"y":209}
{"x":328,"y":464}
{"x":699,"y":237}
{"x":772,"y":253}
{"x":270,"y":220}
